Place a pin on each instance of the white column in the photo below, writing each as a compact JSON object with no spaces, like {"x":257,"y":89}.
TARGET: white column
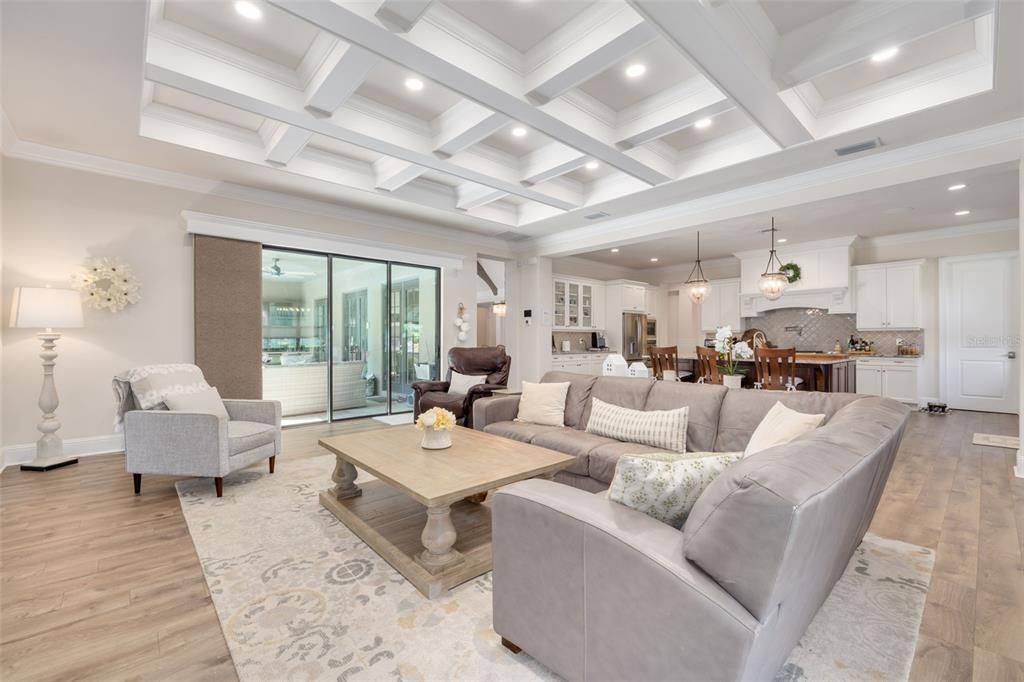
{"x":1019,"y":470}
{"x":528,"y":286}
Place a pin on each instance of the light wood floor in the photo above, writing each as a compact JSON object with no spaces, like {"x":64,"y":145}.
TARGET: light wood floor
{"x":98,"y":584}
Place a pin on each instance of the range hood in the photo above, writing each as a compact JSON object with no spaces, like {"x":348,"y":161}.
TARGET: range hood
{"x":824,"y":281}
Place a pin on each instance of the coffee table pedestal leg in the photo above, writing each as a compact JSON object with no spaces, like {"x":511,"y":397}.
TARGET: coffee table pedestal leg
{"x":344,"y":478}
{"x":438,"y":537}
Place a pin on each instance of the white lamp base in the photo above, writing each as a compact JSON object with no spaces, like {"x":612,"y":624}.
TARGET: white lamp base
{"x":49,"y":448}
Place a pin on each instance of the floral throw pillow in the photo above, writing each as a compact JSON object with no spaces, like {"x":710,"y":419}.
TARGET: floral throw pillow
{"x":666,"y":485}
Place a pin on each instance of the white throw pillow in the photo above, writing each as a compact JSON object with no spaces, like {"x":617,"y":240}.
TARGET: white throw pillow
{"x":657,"y":428}
{"x":666,"y":485}
{"x":781,"y":425}
{"x":461,"y":383}
{"x":202,"y":402}
{"x":543,"y":403}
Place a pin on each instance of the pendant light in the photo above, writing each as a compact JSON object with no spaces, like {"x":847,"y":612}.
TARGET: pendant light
{"x":697,"y":285}
{"x":773,"y":280}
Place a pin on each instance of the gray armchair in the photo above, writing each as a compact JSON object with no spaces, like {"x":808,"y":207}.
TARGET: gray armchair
{"x":175,"y":443}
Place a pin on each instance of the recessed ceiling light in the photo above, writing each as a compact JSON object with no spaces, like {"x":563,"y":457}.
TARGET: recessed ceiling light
{"x":703,"y":123}
{"x":783,"y":240}
{"x":953,"y":188}
{"x":885,"y":55}
{"x":615,"y":250}
{"x":592,"y":165}
{"x":248,"y":10}
{"x":636,"y":70}
{"x":519,"y":131}
{"x":654,"y":260}
{"x":414,"y":84}
{"x":964,"y":212}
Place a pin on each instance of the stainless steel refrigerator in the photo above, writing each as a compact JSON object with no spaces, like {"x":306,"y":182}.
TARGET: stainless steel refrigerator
{"x":634,"y":336}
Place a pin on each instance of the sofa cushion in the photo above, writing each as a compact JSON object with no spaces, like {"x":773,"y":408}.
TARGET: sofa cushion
{"x":629,"y":392}
{"x":543,"y":403}
{"x":776,"y":530}
{"x":664,"y":429}
{"x":705,"y":403}
{"x":781,"y":425}
{"x":572,"y":442}
{"x":602,"y":459}
{"x":520,"y":431}
{"x":580,"y":386}
{"x":742,"y":411}
{"x":244,"y":436}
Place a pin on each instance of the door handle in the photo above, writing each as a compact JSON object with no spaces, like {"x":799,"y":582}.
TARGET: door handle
{"x":1011,"y":355}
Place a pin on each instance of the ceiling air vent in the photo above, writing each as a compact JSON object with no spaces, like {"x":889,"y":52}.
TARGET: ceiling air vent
{"x":859,"y":147}
{"x":512,"y":236}
{"x":596,"y":216}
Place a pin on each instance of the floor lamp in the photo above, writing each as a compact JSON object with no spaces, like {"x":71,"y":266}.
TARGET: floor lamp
{"x":47,"y":309}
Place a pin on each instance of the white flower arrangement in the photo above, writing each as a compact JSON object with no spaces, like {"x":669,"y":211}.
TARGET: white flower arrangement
{"x":107,"y":284}
{"x":730,"y":350}
{"x":436,"y":419}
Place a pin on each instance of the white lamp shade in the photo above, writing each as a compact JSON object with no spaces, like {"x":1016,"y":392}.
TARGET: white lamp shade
{"x":44,"y":308}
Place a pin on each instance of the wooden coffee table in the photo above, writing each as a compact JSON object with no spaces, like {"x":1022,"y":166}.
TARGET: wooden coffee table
{"x":417,"y":515}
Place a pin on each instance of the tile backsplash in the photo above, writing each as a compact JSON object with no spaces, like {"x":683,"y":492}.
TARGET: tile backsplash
{"x":815,"y":329}
{"x":580,"y":341}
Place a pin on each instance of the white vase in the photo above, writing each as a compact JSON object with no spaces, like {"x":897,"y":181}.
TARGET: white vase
{"x":732,"y":380}
{"x":436,"y":440}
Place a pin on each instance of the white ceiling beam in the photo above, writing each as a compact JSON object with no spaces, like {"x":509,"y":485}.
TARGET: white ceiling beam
{"x":285,"y":143}
{"x":551,"y":161}
{"x":355,"y":29}
{"x":855,"y":32}
{"x":644,"y":123}
{"x":471,"y":195}
{"x":189,"y":74}
{"x":594,"y":52}
{"x":732,"y":56}
{"x":463,"y":125}
{"x":401,"y":15}
{"x":341,"y":74}
{"x":394,"y":173}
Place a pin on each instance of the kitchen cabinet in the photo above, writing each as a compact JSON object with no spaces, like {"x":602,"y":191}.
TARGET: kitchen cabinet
{"x":888,"y":295}
{"x":634,"y":298}
{"x":651,"y":306}
{"x":578,"y":305}
{"x":581,"y":363}
{"x":721,"y":307}
{"x":895,"y":378}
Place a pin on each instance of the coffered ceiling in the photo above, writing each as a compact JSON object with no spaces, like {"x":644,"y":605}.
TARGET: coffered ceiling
{"x":506,"y":117}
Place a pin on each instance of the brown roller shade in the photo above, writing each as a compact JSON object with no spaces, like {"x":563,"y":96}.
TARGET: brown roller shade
{"x":228,"y":315}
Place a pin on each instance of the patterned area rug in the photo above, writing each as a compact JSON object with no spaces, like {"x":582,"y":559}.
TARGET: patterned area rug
{"x":301,"y":598}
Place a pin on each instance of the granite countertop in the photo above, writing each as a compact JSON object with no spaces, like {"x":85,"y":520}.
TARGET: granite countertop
{"x":825,"y":358}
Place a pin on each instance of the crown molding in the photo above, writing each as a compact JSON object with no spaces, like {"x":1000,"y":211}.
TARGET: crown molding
{"x":55,"y":156}
{"x":803,"y":247}
{"x":458,"y":27}
{"x":950,"y":232}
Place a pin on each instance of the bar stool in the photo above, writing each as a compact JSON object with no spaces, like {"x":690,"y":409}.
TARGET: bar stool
{"x":665,"y":359}
{"x":707,"y":366}
{"x":776,"y":369}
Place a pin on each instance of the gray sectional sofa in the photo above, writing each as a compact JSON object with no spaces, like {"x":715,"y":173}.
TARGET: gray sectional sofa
{"x":597,"y":591}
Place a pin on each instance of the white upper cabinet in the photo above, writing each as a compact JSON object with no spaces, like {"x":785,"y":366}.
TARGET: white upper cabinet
{"x":824,"y":277}
{"x":578,"y":304}
{"x":888,"y":295}
{"x":651,"y":301}
{"x":634,"y":298}
{"x":721,"y":307}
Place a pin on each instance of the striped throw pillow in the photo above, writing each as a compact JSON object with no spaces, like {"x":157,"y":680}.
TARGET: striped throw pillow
{"x":657,"y":428}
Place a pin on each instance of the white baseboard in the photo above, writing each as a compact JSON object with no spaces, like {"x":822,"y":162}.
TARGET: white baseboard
{"x":73,"y":447}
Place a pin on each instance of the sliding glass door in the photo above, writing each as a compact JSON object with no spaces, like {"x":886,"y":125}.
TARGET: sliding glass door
{"x":346,"y":337}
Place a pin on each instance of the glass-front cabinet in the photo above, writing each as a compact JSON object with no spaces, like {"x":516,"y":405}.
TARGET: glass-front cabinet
{"x":575,"y":305}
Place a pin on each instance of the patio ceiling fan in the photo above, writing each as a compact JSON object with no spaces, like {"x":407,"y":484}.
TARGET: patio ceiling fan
{"x":275,"y":270}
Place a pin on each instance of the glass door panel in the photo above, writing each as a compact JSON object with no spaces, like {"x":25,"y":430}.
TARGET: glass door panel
{"x":413,"y":325}
{"x":295,"y":334}
{"x":359,"y":367}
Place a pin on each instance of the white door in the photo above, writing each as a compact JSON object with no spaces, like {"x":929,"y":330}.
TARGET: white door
{"x":869,"y":380}
{"x":902,"y":287}
{"x":870,"y":298}
{"x":979,"y":330}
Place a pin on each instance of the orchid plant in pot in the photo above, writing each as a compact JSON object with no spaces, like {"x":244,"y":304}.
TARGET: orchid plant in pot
{"x":730,"y":351}
{"x":436,"y":424}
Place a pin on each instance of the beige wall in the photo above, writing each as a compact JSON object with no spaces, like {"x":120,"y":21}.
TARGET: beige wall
{"x":54,"y":218}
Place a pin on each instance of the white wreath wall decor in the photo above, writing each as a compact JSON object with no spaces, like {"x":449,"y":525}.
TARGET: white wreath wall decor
{"x":107,"y":284}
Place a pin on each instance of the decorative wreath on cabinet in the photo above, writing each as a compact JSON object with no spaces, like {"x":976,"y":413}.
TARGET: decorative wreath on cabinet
{"x":791,"y":271}
{"x":107,"y":284}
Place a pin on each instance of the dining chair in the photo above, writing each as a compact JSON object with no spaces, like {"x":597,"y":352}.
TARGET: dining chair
{"x":707,"y":366}
{"x":776,"y":369}
{"x":665,"y":363}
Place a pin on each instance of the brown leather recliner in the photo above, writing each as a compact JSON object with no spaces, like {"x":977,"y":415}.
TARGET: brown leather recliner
{"x":491,"y":361}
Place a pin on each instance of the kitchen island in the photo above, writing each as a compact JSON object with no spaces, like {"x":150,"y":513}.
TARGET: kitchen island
{"x":826,"y":372}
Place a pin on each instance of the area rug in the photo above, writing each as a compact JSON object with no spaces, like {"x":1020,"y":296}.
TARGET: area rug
{"x":996,"y":441}
{"x":300,"y":597}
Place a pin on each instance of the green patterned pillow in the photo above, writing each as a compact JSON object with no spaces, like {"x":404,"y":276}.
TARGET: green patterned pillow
{"x":666,"y":485}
